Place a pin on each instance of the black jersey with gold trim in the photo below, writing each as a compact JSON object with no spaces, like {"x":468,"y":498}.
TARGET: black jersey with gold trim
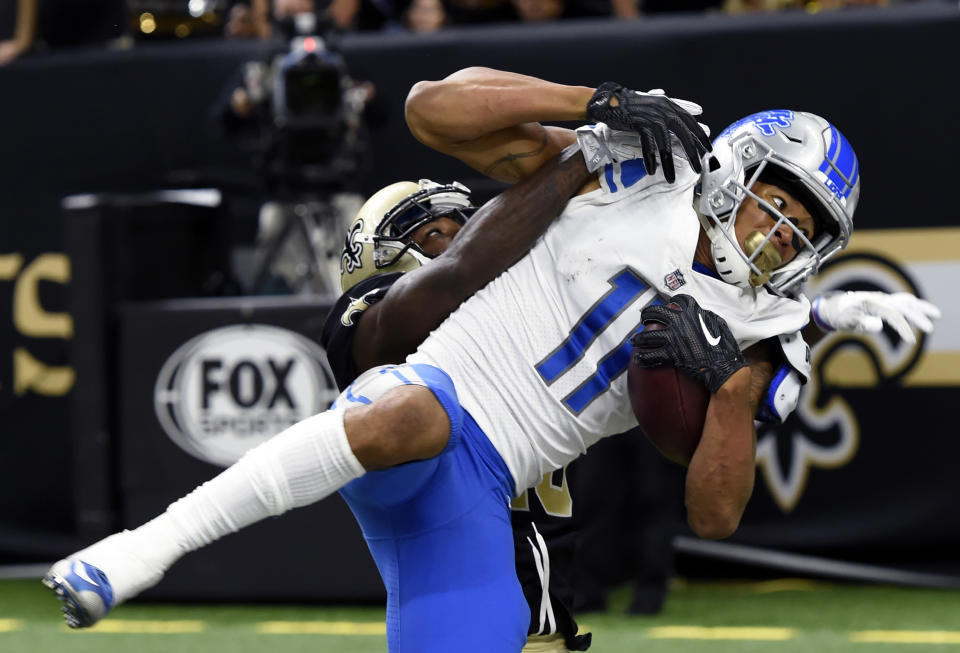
{"x":340,"y":327}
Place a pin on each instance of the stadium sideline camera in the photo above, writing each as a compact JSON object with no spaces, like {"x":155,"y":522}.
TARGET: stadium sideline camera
{"x":311,"y":111}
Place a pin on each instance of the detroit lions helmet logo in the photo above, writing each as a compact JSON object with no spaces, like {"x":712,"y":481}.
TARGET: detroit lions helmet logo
{"x":350,"y":260}
{"x":765,"y":121}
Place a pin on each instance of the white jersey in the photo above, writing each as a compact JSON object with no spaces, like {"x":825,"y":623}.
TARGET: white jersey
{"x":538,"y":356}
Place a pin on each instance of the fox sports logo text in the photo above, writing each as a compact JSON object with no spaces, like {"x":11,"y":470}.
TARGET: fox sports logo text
{"x":227,"y":390}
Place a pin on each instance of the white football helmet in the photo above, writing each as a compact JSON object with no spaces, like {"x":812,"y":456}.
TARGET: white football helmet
{"x":799,"y":152}
{"x":379,"y":238}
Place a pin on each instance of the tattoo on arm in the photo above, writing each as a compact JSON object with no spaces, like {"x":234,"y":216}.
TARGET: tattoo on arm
{"x":509,"y":158}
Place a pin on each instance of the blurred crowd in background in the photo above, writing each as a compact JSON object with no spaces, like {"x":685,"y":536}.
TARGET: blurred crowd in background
{"x":37,"y":25}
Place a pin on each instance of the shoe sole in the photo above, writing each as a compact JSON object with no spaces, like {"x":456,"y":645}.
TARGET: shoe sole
{"x":75,"y":614}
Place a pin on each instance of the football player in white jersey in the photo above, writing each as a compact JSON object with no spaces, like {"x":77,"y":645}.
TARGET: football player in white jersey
{"x":528,"y":373}
{"x":402,"y":227}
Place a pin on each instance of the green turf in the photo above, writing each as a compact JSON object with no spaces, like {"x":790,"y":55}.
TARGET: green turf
{"x":822,"y":616}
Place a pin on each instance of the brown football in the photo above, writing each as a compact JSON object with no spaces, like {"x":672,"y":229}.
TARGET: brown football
{"x":669,"y":405}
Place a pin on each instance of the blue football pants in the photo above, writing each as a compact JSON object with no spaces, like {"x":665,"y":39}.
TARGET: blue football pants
{"x":439,"y":531}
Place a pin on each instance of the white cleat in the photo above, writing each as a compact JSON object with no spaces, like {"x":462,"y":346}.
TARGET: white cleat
{"x":92,"y":581}
{"x":84,"y":591}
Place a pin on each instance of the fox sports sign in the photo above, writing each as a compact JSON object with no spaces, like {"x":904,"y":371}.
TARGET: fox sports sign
{"x":227,"y":390}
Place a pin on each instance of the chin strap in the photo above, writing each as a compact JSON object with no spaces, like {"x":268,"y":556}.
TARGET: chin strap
{"x":732,"y":268}
{"x":765,"y":262}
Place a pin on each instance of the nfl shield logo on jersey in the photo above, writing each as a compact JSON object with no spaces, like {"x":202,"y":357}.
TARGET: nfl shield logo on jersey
{"x":674,"y":280}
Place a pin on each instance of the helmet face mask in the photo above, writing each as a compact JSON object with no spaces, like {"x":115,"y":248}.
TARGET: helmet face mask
{"x":807,"y":158}
{"x":393,"y":237}
{"x":380,"y":238}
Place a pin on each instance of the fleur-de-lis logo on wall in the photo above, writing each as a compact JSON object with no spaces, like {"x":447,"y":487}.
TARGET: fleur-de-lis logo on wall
{"x":824,"y":431}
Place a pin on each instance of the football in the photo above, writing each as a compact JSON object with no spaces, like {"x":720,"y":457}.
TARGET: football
{"x":669,"y":405}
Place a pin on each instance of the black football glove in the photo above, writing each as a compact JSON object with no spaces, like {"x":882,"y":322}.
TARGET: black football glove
{"x":695,"y":341}
{"x":653,"y":117}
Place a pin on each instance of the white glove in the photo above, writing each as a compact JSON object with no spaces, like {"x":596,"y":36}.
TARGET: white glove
{"x":692,"y":108}
{"x":866,"y":312}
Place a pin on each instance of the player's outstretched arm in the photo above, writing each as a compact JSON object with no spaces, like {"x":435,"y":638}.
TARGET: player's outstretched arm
{"x":491,"y":241}
{"x":490,"y":119}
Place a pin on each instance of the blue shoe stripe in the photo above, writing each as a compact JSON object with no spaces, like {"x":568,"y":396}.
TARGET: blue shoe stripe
{"x":80,"y":584}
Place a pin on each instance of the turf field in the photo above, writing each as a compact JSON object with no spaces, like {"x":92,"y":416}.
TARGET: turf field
{"x":781,"y":616}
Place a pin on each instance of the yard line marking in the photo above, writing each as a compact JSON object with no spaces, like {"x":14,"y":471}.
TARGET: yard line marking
{"x":10,"y":625}
{"x":784,"y":585}
{"x":906,"y":636}
{"x":321,"y":628}
{"x":722,"y":632}
{"x":144,"y":627}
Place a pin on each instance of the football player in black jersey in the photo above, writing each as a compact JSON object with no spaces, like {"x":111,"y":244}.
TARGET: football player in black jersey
{"x":377,"y":320}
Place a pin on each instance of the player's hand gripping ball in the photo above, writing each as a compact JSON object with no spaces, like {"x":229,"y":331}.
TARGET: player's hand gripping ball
{"x":683,"y":354}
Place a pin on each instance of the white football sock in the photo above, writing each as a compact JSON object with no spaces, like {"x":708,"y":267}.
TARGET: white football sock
{"x":303,"y":464}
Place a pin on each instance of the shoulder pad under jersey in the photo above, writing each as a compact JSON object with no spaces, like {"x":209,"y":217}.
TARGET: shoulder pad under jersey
{"x":796,"y":351}
{"x":783,"y":395}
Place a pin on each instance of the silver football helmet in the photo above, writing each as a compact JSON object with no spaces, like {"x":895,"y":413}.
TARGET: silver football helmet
{"x":379,"y":237}
{"x":807,"y":157}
